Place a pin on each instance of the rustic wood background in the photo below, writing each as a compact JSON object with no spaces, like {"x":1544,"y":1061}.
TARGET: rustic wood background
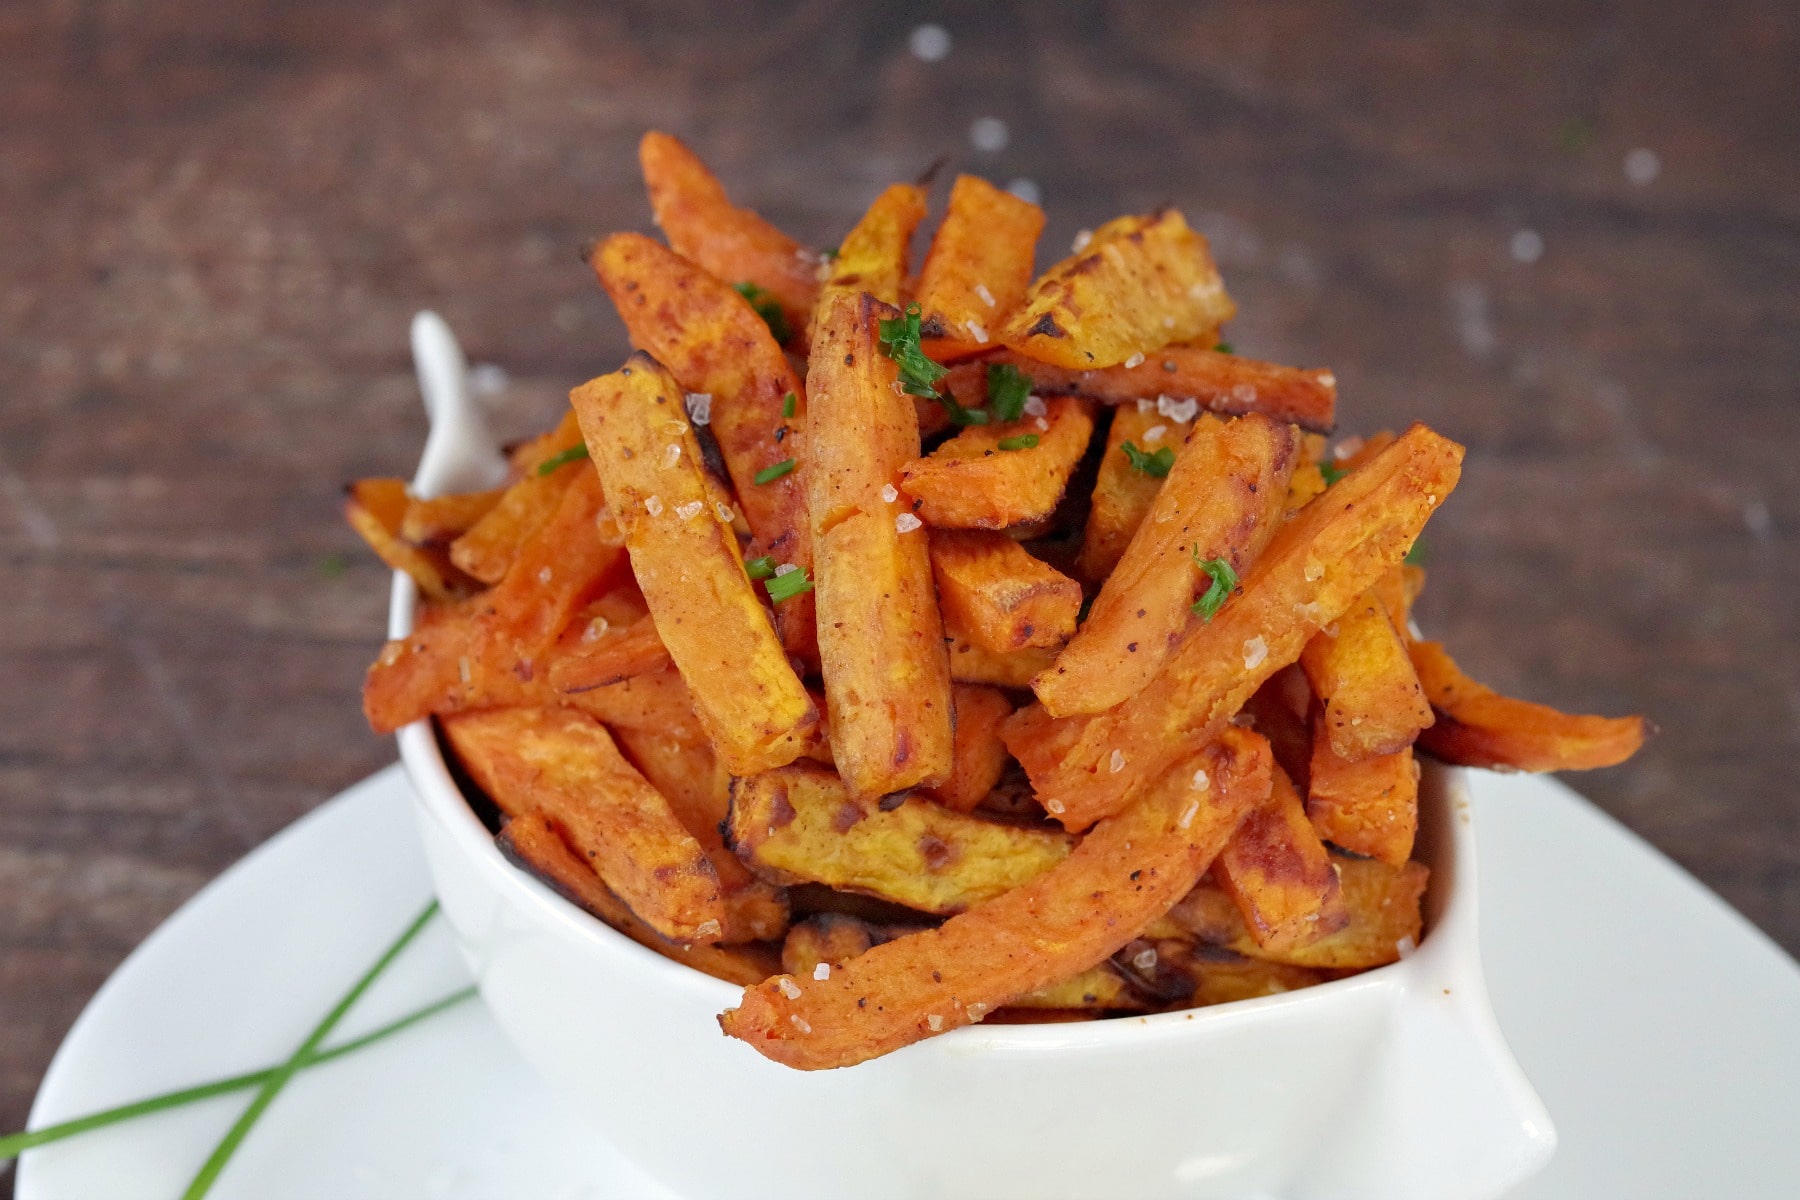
{"x":1566,"y":234}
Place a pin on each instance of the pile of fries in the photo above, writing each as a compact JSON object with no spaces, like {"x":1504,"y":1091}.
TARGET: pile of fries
{"x":916,"y":650}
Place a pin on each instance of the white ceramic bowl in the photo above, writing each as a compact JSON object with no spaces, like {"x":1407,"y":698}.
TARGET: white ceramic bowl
{"x":1392,"y":1085}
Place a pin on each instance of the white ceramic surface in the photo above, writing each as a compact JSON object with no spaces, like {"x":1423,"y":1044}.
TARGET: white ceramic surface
{"x":1392,"y":1085}
{"x":1659,"y":1028}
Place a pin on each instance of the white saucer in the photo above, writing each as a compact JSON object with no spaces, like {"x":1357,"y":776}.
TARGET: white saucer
{"x":1661,"y":1028}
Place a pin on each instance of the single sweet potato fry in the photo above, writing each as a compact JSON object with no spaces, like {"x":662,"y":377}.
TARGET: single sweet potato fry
{"x":1478,"y":727}
{"x":881,"y":640}
{"x":592,"y":654}
{"x":1311,"y":572}
{"x":980,"y":755}
{"x":565,"y":765}
{"x":1123,"y":491}
{"x":545,"y":470}
{"x":1383,"y":903}
{"x":659,"y":702}
{"x":715,"y":344}
{"x":1276,"y":870}
{"x":993,"y":476}
{"x":698,"y":789}
{"x":978,"y":269}
{"x":1359,"y":667}
{"x":375,"y":508}
{"x":799,"y":824}
{"x":440,"y":520}
{"x":686,"y":562}
{"x":734,"y":244}
{"x":970,"y":663}
{"x":999,"y":594}
{"x":531,"y":841}
{"x":1120,"y":877}
{"x":873,"y":256}
{"x":1369,"y":807}
{"x":1182,"y":379}
{"x":1139,"y":284}
{"x":1220,"y":504}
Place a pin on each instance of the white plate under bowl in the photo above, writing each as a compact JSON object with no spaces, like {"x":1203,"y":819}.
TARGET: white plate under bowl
{"x":1661,"y":1029}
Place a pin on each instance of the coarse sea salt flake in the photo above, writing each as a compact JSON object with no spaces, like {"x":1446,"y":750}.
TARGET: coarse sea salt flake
{"x":1177,"y":409}
{"x":1244,"y":393}
{"x":788,"y":987}
{"x":1145,"y":406}
{"x":786,"y":569}
{"x":653,"y":506}
{"x":1117,"y":762}
{"x":1255,"y":650}
{"x":800,"y":1023}
{"x":1155,"y":434}
{"x":1314,"y":570}
{"x":1136,"y":360}
{"x":822,"y":971}
{"x":1188,"y":814}
{"x":976,"y":330}
{"x":1145,"y":959}
{"x":936,"y":1022}
{"x":699,"y":407}
{"x":987,"y":297}
{"x":690,"y":510}
{"x":1054,"y":805}
{"x":1042,"y":423}
{"x":708,"y":929}
{"x":1405,"y":946}
{"x":596,"y":629}
{"x":1081,"y":241}
{"x":906,"y":523}
{"x":544,"y":575}
{"x":724,"y":511}
{"x":889,"y":493}
{"x":1035,"y":407}
{"x":976,"y":1011}
{"x":1201,"y":778}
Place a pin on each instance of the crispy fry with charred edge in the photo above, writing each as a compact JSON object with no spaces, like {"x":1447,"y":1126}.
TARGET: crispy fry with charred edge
{"x":980,"y":755}
{"x":713,"y":342}
{"x":999,"y":594}
{"x":1383,"y":903}
{"x":881,"y":643}
{"x":1369,"y":807}
{"x":1139,"y":284}
{"x":487,"y":549}
{"x":1222,"y":383}
{"x":698,"y":789}
{"x":1312,"y":570}
{"x":1120,"y":877}
{"x":833,"y":939}
{"x":440,"y":520}
{"x":1478,"y":727}
{"x":734,"y":244}
{"x":1223,"y":976}
{"x":1279,"y":875}
{"x":1122,"y":493}
{"x":375,"y":508}
{"x":978,"y":269}
{"x":565,"y":765}
{"x":970,"y":663}
{"x":530,"y":841}
{"x":873,"y":256}
{"x":1359,"y":668}
{"x":1221,"y":501}
{"x":974,"y":481}
{"x":799,"y":824}
{"x":686,"y":563}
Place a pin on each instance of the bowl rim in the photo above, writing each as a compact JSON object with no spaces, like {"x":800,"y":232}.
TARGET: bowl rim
{"x":439,"y":797}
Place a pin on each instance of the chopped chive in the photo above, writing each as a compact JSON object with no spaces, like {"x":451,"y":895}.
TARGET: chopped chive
{"x":900,"y":342}
{"x":1224,"y":579}
{"x":759,"y":568}
{"x":771,"y":474}
{"x":767,"y":307}
{"x":789,"y":585}
{"x":572,"y":454}
{"x":1224,"y":348}
{"x":1416,"y":556}
{"x":789,"y":403}
{"x":829,"y":252}
{"x":1157,"y":464}
{"x":958,"y":414}
{"x":1024,"y":441}
{"x":1332,"y":471}
{"x":1007,"y":389}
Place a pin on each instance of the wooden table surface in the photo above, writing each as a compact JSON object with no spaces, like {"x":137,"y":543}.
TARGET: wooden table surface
{"x":1567,"y":235}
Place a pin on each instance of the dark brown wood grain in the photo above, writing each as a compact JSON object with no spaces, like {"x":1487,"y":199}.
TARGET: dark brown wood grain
{"x":219,"y":219}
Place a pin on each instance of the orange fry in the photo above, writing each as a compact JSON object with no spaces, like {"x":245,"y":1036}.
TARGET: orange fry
{"x":1277,"y":872}
{"x":978,"y":269}
{"x":995,"y":476}
{"x":1005,"y":599}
